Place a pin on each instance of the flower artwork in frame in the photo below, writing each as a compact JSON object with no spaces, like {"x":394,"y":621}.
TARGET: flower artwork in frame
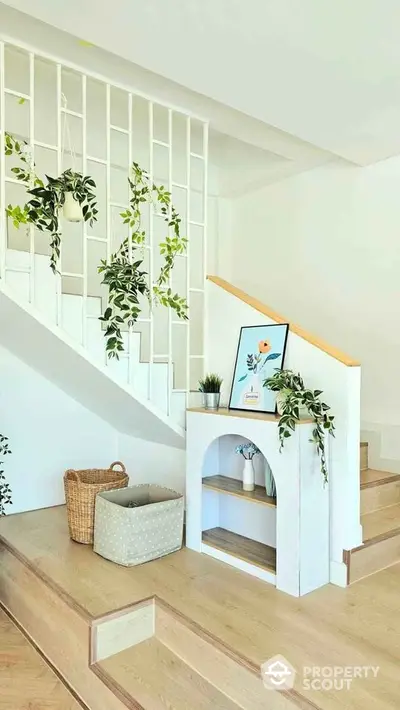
{"x":261,"y":351}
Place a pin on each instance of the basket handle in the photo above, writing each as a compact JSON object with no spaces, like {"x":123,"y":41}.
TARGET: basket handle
{"x":118,"y":463}
{"x":74,"y":473}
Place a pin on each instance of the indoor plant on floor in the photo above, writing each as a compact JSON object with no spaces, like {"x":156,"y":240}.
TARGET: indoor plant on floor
{"x":296,"y":400}
{"x":210,"y":386}
{"x":5,"y":490}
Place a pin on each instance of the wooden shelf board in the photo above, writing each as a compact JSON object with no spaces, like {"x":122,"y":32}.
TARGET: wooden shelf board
{"x":244,"y":414}
{"x":233,"y":487}
{"x":251,"y":551}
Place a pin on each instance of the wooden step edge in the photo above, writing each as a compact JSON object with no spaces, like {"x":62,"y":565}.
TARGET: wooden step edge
{"x":377,"y":538}
{"x":360,"y":564}
{"x":45,"y":658}
{"x":387,"y":477}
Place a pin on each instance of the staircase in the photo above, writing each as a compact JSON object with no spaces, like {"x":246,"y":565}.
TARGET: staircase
{"x":118,"y":390}
{"x":380,"y":519}
{"x":71,"y":118}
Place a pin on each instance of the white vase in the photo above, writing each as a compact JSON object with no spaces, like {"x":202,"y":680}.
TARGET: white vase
{"x":72,"y":210}
{"x":253,"y":393}
{"x":270,"y":488}
{"x":248,"y":475}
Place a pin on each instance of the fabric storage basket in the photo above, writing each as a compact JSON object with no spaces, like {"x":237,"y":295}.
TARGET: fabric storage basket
{"x":81,"y":488}
{"x":133,"y":535}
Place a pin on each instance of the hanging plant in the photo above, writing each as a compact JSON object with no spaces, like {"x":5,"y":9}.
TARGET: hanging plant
{"x":71,"y":191}
{"x":298,"y":397}
{"x":68,"y":191}
{"x":123,"y":275}
{"x":5,"y":490}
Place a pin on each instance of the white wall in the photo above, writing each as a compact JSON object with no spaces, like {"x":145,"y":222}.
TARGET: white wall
{"x":50,"y":432}
{"x":322,"y":248}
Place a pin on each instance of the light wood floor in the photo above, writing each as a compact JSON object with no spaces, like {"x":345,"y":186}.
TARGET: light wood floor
{"x":357,"y":626}
{"x":26,"y":681}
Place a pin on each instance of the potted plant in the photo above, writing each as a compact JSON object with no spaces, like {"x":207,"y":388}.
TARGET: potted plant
{"x":297,"y":398}
{"x":71,"y":192}
{"x":5,"y":490}
{"x":248,"y":452}
{"x":210,"y":386}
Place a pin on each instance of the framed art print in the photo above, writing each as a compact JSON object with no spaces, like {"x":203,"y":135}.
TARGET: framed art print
{"x":260,"y":352}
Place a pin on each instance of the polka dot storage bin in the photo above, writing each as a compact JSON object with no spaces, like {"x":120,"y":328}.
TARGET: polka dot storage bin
{"x":137,"y":524}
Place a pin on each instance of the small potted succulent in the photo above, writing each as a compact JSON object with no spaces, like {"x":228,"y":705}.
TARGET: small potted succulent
{"x":210,"y":386}
{"x":248,"y":452}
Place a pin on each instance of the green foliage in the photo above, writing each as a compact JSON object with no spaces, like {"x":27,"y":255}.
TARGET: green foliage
{"x":5,"y":490}
{"x":210,"y":383}
{"x":297,"y":395}
{"x":123,"y":275}
{"x":47,"y":198}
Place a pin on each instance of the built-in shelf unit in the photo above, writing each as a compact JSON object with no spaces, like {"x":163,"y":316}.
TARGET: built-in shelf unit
{"x":282,"y":540}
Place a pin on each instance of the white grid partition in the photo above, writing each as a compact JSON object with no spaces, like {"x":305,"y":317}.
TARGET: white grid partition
{"x":124,"y":130}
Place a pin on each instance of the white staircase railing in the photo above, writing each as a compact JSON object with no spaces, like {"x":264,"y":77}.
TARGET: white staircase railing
{"x":42,"y":99}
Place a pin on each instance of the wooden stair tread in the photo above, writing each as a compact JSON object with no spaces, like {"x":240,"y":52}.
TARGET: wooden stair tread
{"x":381,"y":524}
{"x":371,"y":477}
{"x":157,"y":678}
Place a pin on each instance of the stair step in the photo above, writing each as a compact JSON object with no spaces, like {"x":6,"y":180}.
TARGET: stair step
{"x":379,"y":489}
{"x":381,"y":548}
{"x":157,"y":678}
{"x":371,"y":478}
{"x":381,"y":523}
{"x":159,"y":658}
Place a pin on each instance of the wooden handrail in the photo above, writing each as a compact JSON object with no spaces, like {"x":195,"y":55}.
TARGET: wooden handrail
{"x":262,"y":308}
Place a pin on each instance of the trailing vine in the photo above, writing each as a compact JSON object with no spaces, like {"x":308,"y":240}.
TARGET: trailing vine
{"x":48,"y":198}
{"x":5,"y":490}
{"x":297,"y":395}
{"x":123,"y":275}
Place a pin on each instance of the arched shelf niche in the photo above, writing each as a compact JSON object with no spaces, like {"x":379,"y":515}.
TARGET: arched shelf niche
{"x":237,"y":522}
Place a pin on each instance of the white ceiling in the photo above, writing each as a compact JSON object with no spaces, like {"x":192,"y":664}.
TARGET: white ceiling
{"x":325,"y":71}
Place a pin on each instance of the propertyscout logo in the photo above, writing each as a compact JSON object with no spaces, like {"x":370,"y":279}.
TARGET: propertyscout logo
{"x":278,"y":674}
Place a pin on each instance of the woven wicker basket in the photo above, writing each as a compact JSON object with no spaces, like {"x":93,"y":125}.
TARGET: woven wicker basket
{"x":81,"y":488}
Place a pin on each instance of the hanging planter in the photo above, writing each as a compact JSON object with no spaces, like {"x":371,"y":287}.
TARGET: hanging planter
{"x":72,"y":210}
{"x":71,"y":192}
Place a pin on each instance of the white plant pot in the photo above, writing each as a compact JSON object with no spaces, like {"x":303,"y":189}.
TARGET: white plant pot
{"x":72,"y":210}
{"x":248,"y":475}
